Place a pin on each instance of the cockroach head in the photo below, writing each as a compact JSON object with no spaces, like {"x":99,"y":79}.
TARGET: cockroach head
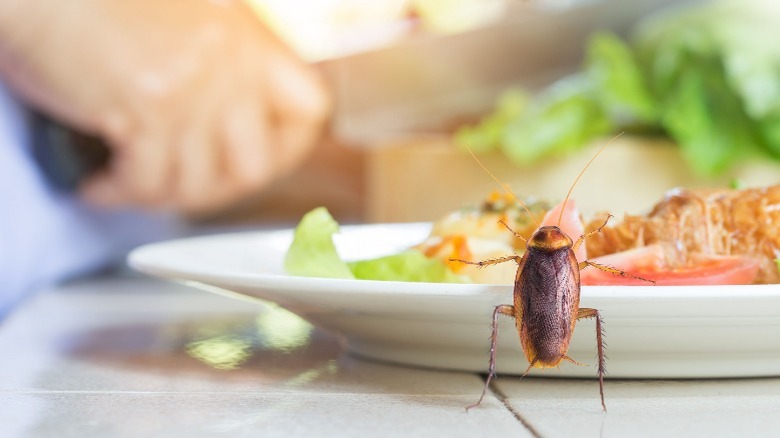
{"x":550,"y":238}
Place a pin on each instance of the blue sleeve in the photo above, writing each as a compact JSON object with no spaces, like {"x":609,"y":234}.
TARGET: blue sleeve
{"x":47,"y":236}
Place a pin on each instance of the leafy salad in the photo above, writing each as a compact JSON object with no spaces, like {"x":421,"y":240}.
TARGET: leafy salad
{"x":707,"y":77}
{"x":668,"y":246}
{"x":313,"y":254}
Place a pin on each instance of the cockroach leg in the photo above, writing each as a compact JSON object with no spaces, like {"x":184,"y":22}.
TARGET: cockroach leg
{"x":502,"y":309}
{"x":611,"y":270}
{"x":593,"y":313}
{"x":585,"y":236}
{"x":573,"y":361}
{"x":530,"y":367}
{"x":484,"y":263}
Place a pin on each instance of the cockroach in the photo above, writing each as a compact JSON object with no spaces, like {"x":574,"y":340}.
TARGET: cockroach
{"x":546,"y":304}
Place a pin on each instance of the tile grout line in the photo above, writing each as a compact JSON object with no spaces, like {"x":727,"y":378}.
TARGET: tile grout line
{"x":504,"y":399}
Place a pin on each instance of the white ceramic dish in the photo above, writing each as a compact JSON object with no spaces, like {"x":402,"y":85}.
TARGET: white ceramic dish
{"x":651,"y":332}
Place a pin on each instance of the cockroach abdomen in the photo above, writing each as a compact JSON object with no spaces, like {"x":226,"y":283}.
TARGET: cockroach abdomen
{"x":549,"y":300}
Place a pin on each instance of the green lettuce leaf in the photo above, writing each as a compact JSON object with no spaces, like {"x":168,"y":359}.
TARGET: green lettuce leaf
{"x":411,"y":265}
{"x":705,"y":75}
{"x":702,"y":106}
{"x":561,"y":119}
{"x":707,"y":120}
{"x":488,"y":133}
{"x":620,"y":84}
{"x":313,"y":254}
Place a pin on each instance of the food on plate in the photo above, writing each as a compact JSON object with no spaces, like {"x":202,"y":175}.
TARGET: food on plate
{"x":480,"y":234}
{"x":694,"y":224}
{"x":690,"y":237}
{"x":477,"y":234}
{"x":652,"y":262}
{"x":313,"y":254}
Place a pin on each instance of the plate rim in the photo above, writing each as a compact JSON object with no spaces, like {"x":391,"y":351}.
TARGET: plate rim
{"x":138,"y":259}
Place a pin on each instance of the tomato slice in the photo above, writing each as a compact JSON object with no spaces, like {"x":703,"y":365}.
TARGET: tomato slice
{"x":570,"y":224}
{"x":648,"y":262}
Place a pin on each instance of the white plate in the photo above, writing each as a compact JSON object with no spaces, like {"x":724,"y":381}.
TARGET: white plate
{"x":651,"y":332}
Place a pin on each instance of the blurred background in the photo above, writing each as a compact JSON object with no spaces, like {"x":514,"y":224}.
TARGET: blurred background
{"x":534,"y":87}
{"x":429,"y":72}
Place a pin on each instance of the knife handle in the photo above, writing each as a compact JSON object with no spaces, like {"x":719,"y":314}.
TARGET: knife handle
{"x":65,"y":156}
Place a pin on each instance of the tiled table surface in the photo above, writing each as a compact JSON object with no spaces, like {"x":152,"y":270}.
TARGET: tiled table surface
{"x":142,"y":357}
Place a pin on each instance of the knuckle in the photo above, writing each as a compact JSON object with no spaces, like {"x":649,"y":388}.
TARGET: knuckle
{"x":249,"y":180}
{"x":313,"y":103}
{"x":194,"y":204}
{"x":144,"y":191}
{"x":151,"y":88}
{"x":318,"y":106}
{"x":113,"y":126}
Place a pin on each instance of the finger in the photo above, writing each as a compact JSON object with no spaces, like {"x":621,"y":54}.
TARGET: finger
{"x":139,"y":174}
{"x":199,"y":168}
{"x":103,"y":189}
{"x":248,"y":146}
{"x":147,"y":169}
{"x":301,"y":105}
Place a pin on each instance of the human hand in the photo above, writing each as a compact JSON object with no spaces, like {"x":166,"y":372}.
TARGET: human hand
{"x":200,"y":104}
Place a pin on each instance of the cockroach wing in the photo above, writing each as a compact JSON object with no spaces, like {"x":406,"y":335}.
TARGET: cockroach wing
{"x":547,"y":296}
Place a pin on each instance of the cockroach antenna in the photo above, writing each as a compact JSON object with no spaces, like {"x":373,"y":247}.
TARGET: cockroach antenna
{"x":505,"y":187}
{"x":582,"y":172}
